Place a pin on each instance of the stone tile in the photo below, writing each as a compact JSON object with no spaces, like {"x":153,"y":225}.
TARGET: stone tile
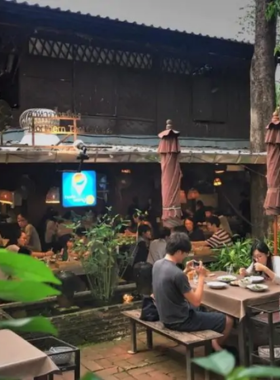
{"x":112,"y":362}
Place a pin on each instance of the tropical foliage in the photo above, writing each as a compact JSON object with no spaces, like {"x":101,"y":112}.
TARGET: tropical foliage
{"x":237,"y":256}
{"x":105,"y":255}
{"x":28,"y":279}
{"x":223,"y":364}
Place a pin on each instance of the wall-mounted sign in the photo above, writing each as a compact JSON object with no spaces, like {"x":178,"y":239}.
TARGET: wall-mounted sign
{"x":79,"y":189}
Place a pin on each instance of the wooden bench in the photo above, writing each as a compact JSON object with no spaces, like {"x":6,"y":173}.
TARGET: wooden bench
{"x":189,"y":340}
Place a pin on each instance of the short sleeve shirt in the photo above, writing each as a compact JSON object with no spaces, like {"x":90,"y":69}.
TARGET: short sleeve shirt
{"x":34,"y":240}
{"x":169,"y":286}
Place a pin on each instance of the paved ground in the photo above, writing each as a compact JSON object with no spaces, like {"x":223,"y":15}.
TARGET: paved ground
{"x":111,"y":361}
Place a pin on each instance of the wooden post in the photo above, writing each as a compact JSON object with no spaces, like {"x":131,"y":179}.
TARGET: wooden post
{"x":275,"y":235}
{"x":262,"y":86}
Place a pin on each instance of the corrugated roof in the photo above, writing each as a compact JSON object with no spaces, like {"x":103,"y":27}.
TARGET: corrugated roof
{"x":72,"y":9}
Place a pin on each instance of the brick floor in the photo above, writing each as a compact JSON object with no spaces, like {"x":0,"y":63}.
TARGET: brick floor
{"x":111,"y":361}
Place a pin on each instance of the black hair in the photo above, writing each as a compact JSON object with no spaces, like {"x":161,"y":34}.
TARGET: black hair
{"x":192,"y":220}
{"x":23,"y":215}
{"x":164,"y":232}
{"x":143,"y":228}
{"x":179,"y":229}
{"x":25,"y":251}
{"x":81,"y":232}
{"x":200,"y":203}
{"x":141,"y":217}
{"x":213,"y":220}
{"x":263,"y":248}
{"x":178,"y":241}
{"x":209,"y":209}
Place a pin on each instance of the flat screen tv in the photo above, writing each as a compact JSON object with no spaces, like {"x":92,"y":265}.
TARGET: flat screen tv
{"x":79,"y":189}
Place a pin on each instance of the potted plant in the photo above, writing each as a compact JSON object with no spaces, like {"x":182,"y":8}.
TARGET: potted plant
{"x":102,"y":256}
{"x":236,"y":256}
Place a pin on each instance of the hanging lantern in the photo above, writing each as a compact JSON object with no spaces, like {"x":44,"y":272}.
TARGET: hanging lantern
{"x":193,"y":194}
{"x":220,"y":169}
{"x":53,"y":195}
{"x":217,"y":182}
{"x":6,"y":197}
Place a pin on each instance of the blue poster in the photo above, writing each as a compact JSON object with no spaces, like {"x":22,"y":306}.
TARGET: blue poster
{"x":79,"y":189}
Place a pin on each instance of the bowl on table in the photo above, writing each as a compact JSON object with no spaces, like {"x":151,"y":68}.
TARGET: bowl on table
{"x":256,"y":279}
{"x":244,"y":282}
{"x":264,"y":352}
{"x":60,"y":355}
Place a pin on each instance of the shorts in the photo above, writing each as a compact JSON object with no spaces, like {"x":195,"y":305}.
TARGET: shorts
{"x":200,"y":321}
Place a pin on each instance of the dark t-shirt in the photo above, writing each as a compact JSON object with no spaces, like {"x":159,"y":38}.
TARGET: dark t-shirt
{"x":169,"y":286}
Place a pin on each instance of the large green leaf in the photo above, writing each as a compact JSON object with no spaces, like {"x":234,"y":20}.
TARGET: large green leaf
{"x":25,"y":291}
{"x":26,"y":268}
{"x":259,"y":372}
{"x":221,"y":363}
{"x":35,"y":324}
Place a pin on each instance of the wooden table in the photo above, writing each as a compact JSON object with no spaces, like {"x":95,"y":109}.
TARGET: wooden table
{"x":233,"y":301}
{"x":72,"y":266}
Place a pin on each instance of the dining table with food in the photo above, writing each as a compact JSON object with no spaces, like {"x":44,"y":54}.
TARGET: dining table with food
{"x":231,"y":294}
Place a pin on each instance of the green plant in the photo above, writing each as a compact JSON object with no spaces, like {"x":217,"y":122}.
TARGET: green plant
{"x":237,"y":256}
{"x":223,"y":363}
{"x":28,"y":283}
{"x":103,"y":256}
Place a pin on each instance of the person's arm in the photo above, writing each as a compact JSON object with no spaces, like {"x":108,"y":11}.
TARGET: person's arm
{"x":245,"y":272}
{"x":194,"y":297}
{"x":274,"y":274}
{"x":28,"y":233}
{"x":41,"y":255}
{"x":200,"y":244}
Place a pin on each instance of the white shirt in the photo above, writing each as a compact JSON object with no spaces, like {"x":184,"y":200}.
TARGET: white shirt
{"x":275,"y":267}
{"x":157,"y":250}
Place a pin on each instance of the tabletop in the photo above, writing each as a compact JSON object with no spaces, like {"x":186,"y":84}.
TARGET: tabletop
{"x":19,"y":359}
{"x":233,"y":300}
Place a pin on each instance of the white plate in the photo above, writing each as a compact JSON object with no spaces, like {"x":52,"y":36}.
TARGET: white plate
{"x":257,"y":287}
{"x":256,"y":279}
{"x":226,"y":278}
{"x":217,"y":285}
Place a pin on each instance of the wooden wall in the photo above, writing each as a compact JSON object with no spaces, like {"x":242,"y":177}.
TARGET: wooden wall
{"x":117,"y":100}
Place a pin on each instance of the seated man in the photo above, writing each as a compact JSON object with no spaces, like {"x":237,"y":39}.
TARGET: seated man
{"x":220,"y":237}
{"x":175,"y":299}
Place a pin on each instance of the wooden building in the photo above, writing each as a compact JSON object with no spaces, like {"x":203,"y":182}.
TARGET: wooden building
{"x":123,"y":78}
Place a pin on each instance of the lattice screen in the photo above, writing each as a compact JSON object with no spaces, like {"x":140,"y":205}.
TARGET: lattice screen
{"x":105,"y":56}
{"x":92,"y":54}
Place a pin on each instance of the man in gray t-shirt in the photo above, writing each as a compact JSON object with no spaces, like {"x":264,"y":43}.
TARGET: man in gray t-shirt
{"x":176,"y":301}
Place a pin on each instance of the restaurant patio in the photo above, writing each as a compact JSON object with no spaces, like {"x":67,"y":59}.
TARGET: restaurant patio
{"x":110,"y":361}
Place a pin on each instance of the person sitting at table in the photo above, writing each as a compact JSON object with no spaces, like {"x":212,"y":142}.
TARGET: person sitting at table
{"x":194,"y":232}
{"x":158,"y":246}
{"x":176,"y":301}
{"x":219,"y":239}
{"x":263,"y":262}
{"x":199,"y":215}
{"x":33,"y":241}
{"x":21,"y":243}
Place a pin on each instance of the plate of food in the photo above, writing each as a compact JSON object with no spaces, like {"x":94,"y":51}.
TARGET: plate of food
{"x":257,"y":287}
{"x":256,"y":279}
{"x":217,"y":284}
{"x":227,"y":278}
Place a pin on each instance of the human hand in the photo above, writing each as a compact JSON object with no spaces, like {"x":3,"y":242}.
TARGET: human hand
{"x":49,"y":253}
{"x":201,"y":270}
{"x":189,"y":266}
{"x":259,"y":267}
{"x":242,"y":272}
